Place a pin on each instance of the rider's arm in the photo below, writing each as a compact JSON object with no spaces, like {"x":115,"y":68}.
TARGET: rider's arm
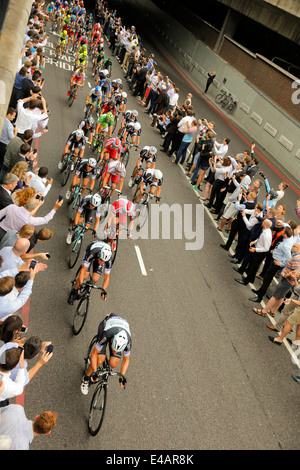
{"x":124,"y":367}
{"x":121,"y":184}
{"x":105,"y":282}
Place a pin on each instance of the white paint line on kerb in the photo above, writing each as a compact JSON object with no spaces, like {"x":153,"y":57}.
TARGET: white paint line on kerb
{"x":140,"y":259}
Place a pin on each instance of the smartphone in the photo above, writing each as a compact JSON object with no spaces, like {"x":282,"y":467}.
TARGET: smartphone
{"x":60,"y":197}
{"x":35,"y":151}
{"x":32,"y":264}
{"x":24,"y":329}
{"x":49,"y":348}
{"x":38,"y":196}
{"x":48,"y":255}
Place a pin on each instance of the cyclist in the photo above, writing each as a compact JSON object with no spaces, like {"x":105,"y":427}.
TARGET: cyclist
{"x":154,"y":178}
{"x":78,"y":79}
{"x":102,"y":74}
{"x":61,"y":43}
{"x":116,"y":86}
{"x":107,"y":64}
{"x":89,"y":208}
{"x":121,"y":101}
{"x":105,"y":124}
{"x":132,"y":129}
{"x":120,"y":210}
{"x":75,"y":143}
{"x":129,"y":116}
{"x":147,"y":156}
{"x":99,"y":57}
{"x":94,"y":98}
{"x":85,"y":170}
{"x":111,"y":150}
{"x":105,"y":86}
{"x":96,"y":30}
{"x":113,"y":332}
{"x":82,"y":60}
{"x":109,"y":106}
{"x":116,"y":172}
{"x":87,"y":126}
{"x":98,"y":256}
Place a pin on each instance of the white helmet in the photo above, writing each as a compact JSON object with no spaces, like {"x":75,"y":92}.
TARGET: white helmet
{"x":118,"y":80}
{"x":134,"y":113}
{"x":96,"y":200}
{"x":105,"y":253}
{"x":137,"y":126}
{"x":157,"y":174}
{"x":124,"y":94}
{"x":79,"y":133}
{"x":120,"y":167}
{"x":105,"y":72}
{"x":120,"y":341}
{"x":128,"y":112}
{"x":92,"y":162}
{"x":153,"y":150}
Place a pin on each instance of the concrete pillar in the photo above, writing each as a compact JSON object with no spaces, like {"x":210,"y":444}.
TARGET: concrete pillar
{"x":228,"y":28}
{"x":11,"y":41}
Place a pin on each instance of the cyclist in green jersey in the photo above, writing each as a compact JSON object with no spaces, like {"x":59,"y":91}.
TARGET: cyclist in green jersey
{"x":105,"y":124}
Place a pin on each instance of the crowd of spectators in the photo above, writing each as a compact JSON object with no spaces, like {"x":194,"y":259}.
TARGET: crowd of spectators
{"x":267,"y":244}
{"x":24,"y":187}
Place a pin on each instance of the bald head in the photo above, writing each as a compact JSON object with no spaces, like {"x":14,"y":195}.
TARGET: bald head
{"x":21,"y":246}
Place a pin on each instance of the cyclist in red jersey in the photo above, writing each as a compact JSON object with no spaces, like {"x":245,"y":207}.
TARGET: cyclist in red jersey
{"x":109,"y":107}
{"x":111,"y":150}
{"x":120,"y":210}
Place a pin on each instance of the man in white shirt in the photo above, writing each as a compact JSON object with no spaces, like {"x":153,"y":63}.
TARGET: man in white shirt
{"x":222,"y":149}
{"x":26,"y":116}
{"x":259,"y":249}
{"x":39,"y":181}
{"x":11,"y":255}
{"x":10,"y":356}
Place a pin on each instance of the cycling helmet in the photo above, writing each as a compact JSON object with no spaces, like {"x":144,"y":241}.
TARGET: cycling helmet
{"x":123,"y":94}
{"x":112,"y":104}
{"x":64,"y":33}
{"x":90,"y":121}
{"x":128,"y":113}
{"x":137,"y":126}
{"x":117,"y":143}
{"x":92,"y":162}
{"x":96,"y":200}
{"x":97,"y":90}
{"x":105,"y":253}
{"x":157,"y":174}
{"x":120,"y":167}
{"x":128,"y":207}
{"x":153,"y":150}
{"x":109,"y":115}
{"x":84,"y":46}
{"x":79,"y":133}
{"x":119,"y":341}
{"x":134,"y":113}
{"x":105,"y":72}
{"x":119,"y":81}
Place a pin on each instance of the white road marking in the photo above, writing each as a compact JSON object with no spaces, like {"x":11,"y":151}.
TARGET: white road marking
{"x":140,"y":259}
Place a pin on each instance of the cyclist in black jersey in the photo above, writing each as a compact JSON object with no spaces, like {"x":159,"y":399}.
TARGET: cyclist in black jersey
{"x":88,"y":128}
{"x":75,"y":143}
{"x":88,"y":210}
{"x":97,"y":256}
{"x":85,"y":170}
{"x":113,"y":332}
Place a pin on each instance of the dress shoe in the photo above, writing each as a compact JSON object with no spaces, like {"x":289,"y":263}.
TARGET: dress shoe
{"x":255,"y":291}
{"x":232,"y":256}
{"x":234,"y":261}
{"x":255,"y":299}
{"x":238,"y":270}
{"x":272,"y":339}
{"x":241,"y":281}
{"x":224,"y":247}
{"x":296,"y":378}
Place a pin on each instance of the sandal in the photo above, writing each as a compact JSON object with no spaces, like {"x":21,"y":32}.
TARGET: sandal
{"x":259,"y":311}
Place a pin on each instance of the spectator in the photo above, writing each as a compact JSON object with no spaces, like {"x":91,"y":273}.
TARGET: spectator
{"x":26,"y":116}
{"x":12,"y":236}
{"x":11,"y":355}
{"x":8,"y":132}
{"x":42,"y":235}
{"x":13,"y":150}
{"x":40,"y":182}
{"x":10,"y":330}
{"x":15,"y":424}
{"x":210,"y":78}
{"x":9,"y":183}
{"x":16,"y":217}
{"x":11,"y":255}
{"x":20,"y":169}
{"x":21,"y":197}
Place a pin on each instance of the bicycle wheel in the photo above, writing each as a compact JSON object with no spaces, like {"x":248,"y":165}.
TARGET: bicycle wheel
{"x":80,"y":315}
{"x":75,"y":251}
{"x":66,"y":171}
{"x":72,"y":96}
{"x":87,"y":358}
{"x":141,"y":212}
{"x":219,"y":97}
{"x":115,"y":123}
{"x":125,"y":157}
{"x":88,"y":111}
{"x":97,"y":409}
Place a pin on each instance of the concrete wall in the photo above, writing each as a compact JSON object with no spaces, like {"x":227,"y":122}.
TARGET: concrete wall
{"x":10,"y":48}
{"x":265,"y":121}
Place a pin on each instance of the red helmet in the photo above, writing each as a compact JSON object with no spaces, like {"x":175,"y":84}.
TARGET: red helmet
{"x":117,"y":142}
{"x":128,"y":207}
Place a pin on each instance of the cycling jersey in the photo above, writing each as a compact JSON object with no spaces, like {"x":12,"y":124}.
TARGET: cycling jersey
{"x":90,"y":258}
{"x":84,"y":172}
{"x":93,"y":96}
{"x":83,"y":126}
{"x":145,"y":156}
{"x":119,"y":99}
{"x":74,"y":143}
{"x":105,"y":87}
{"x":116,"y":87}
{"x":87,"y":212}
{"x":148,"y":178}
{"x":102,"y":120}
{"x":106,"y":108}
{"x":113,"y":152}
{"x":78,"y":77}
{"x":111,"y":170}
{"x":129,"y":128}
{"x":117,"y":210}
{"x":108,"y":328}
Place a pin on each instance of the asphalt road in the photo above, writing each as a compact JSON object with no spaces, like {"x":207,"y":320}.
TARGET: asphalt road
{"x":203,"y":374}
